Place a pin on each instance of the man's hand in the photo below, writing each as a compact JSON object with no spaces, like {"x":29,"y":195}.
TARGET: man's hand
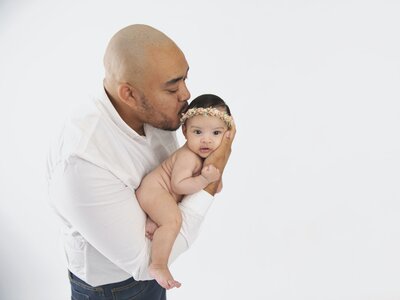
{"x":220,"y":156}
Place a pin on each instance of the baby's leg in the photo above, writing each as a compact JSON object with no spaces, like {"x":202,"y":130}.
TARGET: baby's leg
{"x":163,"y":210}
{"x":150,"y":227}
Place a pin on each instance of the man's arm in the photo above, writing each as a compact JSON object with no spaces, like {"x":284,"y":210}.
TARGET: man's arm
{"x":106,"y":213}
{"x":220,"y":185}
{"x":220,"y":156}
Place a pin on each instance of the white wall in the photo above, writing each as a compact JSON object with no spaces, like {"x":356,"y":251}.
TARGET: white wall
{"x":310,"y":208}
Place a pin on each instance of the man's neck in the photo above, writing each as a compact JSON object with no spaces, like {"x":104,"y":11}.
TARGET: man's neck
{"x":133,"y":123}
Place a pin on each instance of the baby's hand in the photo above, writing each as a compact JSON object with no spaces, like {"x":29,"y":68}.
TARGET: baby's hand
{"x":211,"y":173}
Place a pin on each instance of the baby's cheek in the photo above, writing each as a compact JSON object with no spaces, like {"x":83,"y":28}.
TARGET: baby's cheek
{"x":219,"y":140}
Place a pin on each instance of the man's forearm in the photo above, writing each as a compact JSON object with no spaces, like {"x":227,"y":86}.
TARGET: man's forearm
{"x":212,"y":188}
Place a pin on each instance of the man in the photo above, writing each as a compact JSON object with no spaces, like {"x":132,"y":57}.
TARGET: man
{"x":104,"y":151}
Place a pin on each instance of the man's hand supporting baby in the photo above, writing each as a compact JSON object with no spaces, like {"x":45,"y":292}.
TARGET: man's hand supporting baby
{"x":219,"y":158}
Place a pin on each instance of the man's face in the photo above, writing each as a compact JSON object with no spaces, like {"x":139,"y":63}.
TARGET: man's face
{"x":164,"y":91}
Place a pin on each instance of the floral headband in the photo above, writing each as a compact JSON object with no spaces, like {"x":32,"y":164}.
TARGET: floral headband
{"x":209,"y":111}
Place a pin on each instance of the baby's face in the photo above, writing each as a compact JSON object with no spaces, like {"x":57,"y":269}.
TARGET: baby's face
{"x":204,"y":134}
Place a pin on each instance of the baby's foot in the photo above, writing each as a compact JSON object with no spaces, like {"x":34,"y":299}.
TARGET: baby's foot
{"x":162,"y":275}
{"x":151,"y":226}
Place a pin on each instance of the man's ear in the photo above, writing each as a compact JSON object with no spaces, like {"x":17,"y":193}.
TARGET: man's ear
{"x":184,"y":130}
{"x":128,"y":94}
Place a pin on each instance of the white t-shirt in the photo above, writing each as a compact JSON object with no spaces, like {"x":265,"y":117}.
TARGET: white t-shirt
{"x":93,"y":171}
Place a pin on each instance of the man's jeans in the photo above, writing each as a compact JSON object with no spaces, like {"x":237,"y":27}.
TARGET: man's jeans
{"x":129,"y":289}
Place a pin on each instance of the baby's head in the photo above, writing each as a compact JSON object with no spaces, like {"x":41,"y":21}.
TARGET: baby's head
{"x":204,"y":124}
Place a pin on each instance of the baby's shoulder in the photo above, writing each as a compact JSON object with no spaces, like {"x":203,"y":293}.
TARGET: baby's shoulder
{"x":185,"y":154}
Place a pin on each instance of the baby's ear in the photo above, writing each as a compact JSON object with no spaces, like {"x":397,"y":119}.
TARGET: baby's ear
{"x":184,"y":130}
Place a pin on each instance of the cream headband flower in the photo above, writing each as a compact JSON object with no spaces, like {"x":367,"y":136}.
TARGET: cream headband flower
{"x":209,"y":111}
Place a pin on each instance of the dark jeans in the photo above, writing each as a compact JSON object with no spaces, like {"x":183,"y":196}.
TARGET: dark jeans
{"x":129,"y":289}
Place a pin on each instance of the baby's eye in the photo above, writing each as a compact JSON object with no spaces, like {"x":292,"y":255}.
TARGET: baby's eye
{"x":197,"y":131}
{"x":217,"y":132}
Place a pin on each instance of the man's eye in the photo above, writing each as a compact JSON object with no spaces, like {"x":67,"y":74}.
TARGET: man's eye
{"x":172,"y":91}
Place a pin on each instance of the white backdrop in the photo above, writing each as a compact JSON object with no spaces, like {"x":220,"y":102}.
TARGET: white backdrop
{"x":310,"y":208}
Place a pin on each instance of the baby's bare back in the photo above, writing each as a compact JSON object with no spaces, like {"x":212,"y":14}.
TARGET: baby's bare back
{"x":160,"y":177}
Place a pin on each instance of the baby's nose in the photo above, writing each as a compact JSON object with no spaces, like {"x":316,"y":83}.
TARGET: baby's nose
{"x":206,"y":139}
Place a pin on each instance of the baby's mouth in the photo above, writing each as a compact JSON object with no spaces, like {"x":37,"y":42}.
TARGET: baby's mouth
{"x":205,"y":149}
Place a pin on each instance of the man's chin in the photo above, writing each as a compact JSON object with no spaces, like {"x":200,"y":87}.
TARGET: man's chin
{"x":169,"y":126}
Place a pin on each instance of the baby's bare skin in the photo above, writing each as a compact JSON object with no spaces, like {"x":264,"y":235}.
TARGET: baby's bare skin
{"x":163,"y":276}
{"x":151,"y":226}
{"x":160,"y":273}
{"x":185,"y":172}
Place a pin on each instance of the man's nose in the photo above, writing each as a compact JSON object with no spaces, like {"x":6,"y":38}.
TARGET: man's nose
{"x":184,"y":93}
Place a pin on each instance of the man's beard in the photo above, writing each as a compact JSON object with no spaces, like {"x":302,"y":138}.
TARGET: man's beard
{"x":155,"y":118}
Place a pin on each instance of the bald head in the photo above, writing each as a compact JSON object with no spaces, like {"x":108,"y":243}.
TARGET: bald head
{"x":129,"y":51}
{"x":145,"y":75}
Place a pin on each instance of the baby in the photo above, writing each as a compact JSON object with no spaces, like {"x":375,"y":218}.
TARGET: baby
{"x":183,"y":173}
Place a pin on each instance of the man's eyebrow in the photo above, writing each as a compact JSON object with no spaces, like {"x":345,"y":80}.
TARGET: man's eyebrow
{"x":175,"y":80}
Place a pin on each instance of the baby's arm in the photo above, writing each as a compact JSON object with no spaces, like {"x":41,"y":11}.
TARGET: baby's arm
{"x":182,"y":180}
